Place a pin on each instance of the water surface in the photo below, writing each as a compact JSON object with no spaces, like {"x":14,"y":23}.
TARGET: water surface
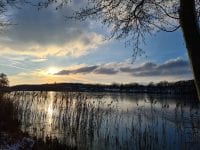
{"x":110,"y":120}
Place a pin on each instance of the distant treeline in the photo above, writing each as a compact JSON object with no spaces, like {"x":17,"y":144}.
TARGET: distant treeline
{"x":164,"y":87}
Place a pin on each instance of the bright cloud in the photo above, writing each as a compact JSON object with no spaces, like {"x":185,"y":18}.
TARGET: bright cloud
{"x":82,"y":43}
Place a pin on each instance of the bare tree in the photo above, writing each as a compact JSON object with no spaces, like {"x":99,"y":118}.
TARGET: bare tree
{"x":4,"y":6}
{"x":133,"y":19}
{"x":3,"y":80}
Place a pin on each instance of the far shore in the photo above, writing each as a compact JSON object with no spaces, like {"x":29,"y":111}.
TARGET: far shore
{"x":164,"y":87}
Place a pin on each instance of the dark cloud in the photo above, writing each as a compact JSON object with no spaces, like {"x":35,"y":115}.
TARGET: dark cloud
{"x":45,"y":26}
{"x":175,"y":67}
{"x":108,"y":71}
{"x":42,"y":27}
{"x":170,"y":68}
{"x":82,"y":70}
{"x":86,"y":69}
{"x":175,"y":63}
{"x":65,"y":72}
{"x":144,"y":67}
{"x":43,"y":34}
{"x":89,"y":69}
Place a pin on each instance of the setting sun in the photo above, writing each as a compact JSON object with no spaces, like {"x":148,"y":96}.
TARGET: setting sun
{"x":52,"y":70}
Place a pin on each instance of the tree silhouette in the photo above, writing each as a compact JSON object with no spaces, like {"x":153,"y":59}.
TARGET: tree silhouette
{"x":4,"y":6}
{"x":3,"y":80}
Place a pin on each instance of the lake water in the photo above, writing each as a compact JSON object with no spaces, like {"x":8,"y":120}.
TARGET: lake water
{"x":109,"y":120}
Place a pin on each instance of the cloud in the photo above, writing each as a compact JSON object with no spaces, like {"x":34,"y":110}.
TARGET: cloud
{"x":96,"y":69}
{"x":174,"y":67}
{"x":39,"y":60}
{"x":143,"y":67}
{"x":82,"y":70}
{"x":108,"y":71}
{"x":81,"y":43}
{"x":48,"y":34}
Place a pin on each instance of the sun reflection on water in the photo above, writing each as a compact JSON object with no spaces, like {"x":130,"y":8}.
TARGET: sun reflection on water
{"x":50,"y":112}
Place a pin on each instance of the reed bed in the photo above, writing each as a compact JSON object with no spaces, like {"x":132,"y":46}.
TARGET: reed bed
{"x":98,"y":121}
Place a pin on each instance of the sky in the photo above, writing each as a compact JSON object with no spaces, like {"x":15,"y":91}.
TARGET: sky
{"x":42,"y":46}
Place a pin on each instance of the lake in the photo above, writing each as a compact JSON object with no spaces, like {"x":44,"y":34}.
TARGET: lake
{"x":108,"y":120}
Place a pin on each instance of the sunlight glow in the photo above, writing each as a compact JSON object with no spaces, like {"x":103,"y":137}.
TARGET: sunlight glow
{"x":52,"y":70}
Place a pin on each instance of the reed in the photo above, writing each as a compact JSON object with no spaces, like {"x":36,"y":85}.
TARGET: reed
{"x":95,"y":121}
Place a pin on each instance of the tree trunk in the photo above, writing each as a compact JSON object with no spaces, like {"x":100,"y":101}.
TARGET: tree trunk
{"x":191,"y":33}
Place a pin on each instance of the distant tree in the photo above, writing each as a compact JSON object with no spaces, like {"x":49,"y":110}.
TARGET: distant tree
{"x":3,"y":80}
{"x":162,"y":83}
{"x":151,"y":84}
